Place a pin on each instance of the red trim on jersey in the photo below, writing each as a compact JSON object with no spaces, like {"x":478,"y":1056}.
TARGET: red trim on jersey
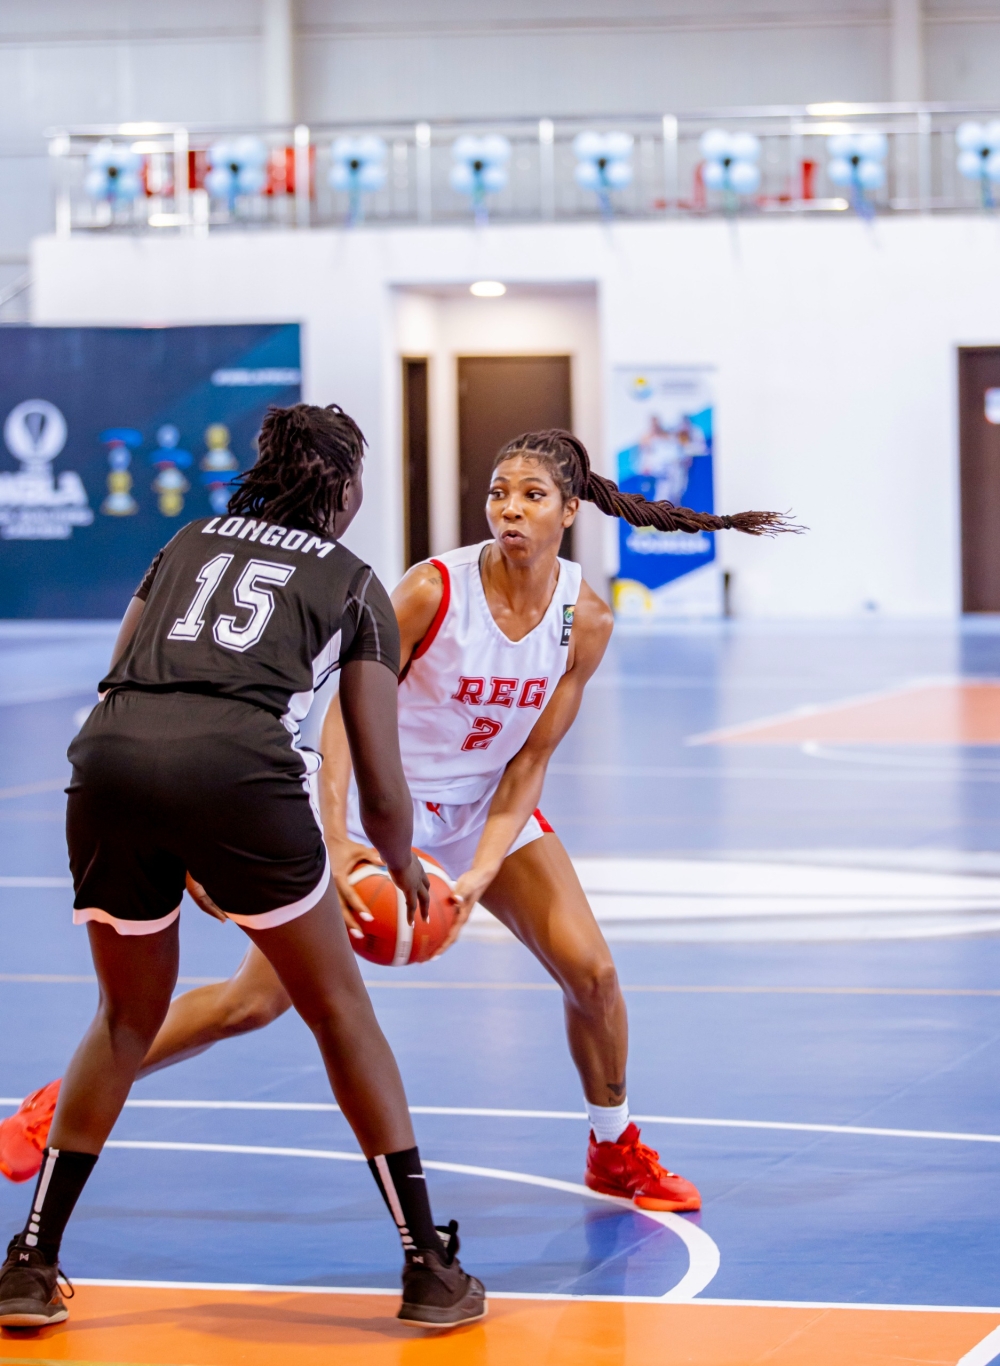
{"x":542,"y":822}
{"x":439,"y":615}
{"x":424,"y":645}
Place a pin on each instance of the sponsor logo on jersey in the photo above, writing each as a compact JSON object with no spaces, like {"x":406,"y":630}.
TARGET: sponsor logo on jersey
{"x":567,"y":626}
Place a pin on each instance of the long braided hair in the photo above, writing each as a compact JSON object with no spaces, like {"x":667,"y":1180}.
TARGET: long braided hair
{"x":305,"y":457}
{"x":566,"y":459}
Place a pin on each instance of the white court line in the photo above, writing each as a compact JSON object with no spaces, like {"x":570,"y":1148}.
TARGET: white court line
{"x":674,"y":989}
{"x":36,"y":882}
{"x":88,"y":979}
{"x":21,"y":699}
{"x":561,"y":1296}
{"x":984,"y":1352}
{"x":954,"y":765}
{"x":703,"y":1255}
{"x":482,"y":1112}
{"x":29,"y":789}
{"x":884,"y":773}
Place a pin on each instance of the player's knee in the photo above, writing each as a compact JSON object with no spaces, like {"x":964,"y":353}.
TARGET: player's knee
{"x":132,"y":1021}
{"x":594,"y":988}
{"x":339,"y":1012}
{"x":254,"y":1010}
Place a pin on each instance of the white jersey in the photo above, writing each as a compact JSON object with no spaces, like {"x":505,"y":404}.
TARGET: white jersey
{"x":470,"y":696}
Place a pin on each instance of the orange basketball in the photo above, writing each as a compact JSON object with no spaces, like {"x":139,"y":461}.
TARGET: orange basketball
{"x":388,"y":937}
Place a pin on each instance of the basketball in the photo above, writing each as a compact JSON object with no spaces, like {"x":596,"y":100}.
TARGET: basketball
{"x":389,"y":938}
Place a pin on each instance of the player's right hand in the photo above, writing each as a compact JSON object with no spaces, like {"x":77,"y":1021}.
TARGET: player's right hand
{"x":202,"y":899}
{"x":412,"y":882}
{"x":345,"y":855}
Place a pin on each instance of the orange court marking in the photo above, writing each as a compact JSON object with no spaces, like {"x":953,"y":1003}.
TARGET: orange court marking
{"x":140,"y":1326}
{"x":924,"y":714}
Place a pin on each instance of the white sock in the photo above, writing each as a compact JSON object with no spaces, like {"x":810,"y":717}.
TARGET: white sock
{"x":608,"y":1122}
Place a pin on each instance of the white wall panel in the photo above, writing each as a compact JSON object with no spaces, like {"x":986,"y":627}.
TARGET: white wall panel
{"x":199,"y":61}
{"x":834,"y":343}
{"x":181,"y":79}
{"x":26,"y":199}
{"x":417,"y":75}
{"x":963,"y":58}
{"x":61,"y":60}
{"x":62,"y":20}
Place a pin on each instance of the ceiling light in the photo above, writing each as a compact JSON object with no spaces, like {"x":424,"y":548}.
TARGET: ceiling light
{"x":487,"y":289}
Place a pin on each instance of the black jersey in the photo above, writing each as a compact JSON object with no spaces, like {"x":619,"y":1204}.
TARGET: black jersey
{"x":246,"y":609}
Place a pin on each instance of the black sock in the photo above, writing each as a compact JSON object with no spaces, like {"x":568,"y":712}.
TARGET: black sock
{"x":400,"y":1178}
{"x":62,"y":1178}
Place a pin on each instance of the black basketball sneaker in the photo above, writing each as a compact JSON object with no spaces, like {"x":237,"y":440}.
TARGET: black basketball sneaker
{"x":29,"y":1293}
{"x":437,"y":1293}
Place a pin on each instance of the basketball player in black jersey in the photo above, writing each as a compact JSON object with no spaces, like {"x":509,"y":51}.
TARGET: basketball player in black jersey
{"x":191,"y":761}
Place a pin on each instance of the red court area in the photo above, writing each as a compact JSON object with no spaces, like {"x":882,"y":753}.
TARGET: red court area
{"x":126,"y":1326}
{"x":945,"y":713}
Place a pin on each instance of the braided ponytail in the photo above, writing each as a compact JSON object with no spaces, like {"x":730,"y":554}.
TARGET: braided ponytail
{"x":566,"y":459}
{"x":305,"y":457}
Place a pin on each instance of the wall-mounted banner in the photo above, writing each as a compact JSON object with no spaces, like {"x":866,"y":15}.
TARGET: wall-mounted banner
{"x":113,"y":438}
{"x":661,"y":428}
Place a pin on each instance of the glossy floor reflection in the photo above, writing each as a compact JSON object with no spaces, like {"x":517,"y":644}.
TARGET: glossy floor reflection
{"x":885,"y":1046}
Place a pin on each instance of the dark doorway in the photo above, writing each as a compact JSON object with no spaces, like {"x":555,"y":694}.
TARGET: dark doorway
{"x":416,"y":436}
{"x":498,"y":398}
{"x":979,"y":447}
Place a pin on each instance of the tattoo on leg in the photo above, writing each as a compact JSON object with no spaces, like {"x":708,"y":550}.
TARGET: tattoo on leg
{"x":616,"y":1089}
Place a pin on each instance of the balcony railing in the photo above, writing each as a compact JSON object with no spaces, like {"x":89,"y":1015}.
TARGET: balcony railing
{"x":171,"y":186}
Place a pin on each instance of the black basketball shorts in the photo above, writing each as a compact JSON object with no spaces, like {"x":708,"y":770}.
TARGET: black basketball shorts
{"x":169,"y":783}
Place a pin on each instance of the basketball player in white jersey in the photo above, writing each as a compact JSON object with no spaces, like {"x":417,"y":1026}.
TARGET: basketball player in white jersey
{"x":498,"y":641}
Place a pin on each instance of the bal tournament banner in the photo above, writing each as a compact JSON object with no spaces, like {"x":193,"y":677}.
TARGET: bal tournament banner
{"x":661,"y":427}
{"x":114,"y":438}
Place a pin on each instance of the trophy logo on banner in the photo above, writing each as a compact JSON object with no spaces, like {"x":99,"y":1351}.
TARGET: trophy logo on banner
{"x":170,"y":485}
{"x":217,"y":466}
{"x":119,"y":502}
{"x":34,"y":506}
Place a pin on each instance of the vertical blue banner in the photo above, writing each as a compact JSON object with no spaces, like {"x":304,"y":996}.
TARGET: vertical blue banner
{"x":661,"y":420}
{"x":114,"y":438}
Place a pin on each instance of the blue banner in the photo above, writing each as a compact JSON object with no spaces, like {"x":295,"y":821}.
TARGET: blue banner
{"x":662,"y":428}
{"x":115,"y":437}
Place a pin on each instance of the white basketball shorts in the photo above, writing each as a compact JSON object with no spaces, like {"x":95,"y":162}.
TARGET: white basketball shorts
{"x":449,"y":834}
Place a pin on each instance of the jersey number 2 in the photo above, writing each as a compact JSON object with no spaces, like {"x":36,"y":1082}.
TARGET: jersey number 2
{"x":249,"y":593}
{"x":484,"y":731}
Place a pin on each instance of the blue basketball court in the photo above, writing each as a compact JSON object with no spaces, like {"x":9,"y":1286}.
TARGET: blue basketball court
{"x":835,"y":1098}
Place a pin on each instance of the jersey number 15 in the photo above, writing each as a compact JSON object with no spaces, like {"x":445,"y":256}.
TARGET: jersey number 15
{"x":249,"y":594}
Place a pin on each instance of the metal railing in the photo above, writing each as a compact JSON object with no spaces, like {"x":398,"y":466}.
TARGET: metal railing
{"x":666,"y":164}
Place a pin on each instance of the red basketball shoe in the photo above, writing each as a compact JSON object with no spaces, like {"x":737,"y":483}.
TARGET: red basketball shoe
{"x":631,"y":1170}
{"x":23,"y":1135}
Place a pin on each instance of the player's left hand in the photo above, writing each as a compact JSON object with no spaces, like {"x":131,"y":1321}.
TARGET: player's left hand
{"x":464,"y":896}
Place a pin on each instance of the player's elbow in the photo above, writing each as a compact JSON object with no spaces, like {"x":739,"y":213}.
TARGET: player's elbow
{"x":528,"y":767}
